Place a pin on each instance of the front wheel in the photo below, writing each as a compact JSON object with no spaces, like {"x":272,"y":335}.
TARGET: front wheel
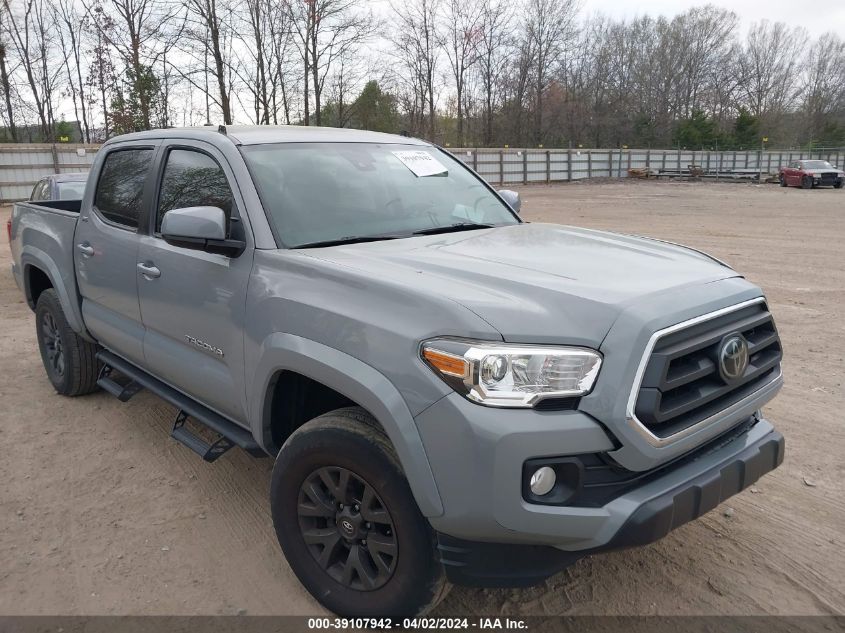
{"x":806,"y":182}
{"x":347,"y":521}
{"x":838,"y":184}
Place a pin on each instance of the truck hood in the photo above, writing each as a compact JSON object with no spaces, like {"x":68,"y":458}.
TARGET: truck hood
{"x":535,"y":283}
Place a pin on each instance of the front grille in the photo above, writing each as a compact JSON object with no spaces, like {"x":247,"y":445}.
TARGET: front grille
{"x":829,"y":177}
{"x":682,"y":385}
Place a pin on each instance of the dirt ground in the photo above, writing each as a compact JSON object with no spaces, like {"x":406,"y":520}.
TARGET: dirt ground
{"x":102,"y":513}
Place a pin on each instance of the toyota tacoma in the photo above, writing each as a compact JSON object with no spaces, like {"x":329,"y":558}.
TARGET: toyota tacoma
{"x":451,"y":395}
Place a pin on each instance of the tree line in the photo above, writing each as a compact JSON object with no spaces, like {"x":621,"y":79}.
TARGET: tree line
{"x":458,"y":72}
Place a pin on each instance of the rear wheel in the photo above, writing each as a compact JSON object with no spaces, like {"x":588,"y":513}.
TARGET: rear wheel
{"x":348,"y":523}
{"x":782,"y":181}
{"x":807,"y":182}
{"x":69,"y":360}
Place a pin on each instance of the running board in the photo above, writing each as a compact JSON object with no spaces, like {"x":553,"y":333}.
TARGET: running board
{"x":119,"y":390}
{"x":209,"y":451}
{"x":231,"y":433}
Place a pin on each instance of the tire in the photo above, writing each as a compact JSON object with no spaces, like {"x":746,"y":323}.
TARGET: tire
{"x":806,"y":182}
{"x":782,"y":181}
{"x":69,"y":360}
{"x":348,"y":443}
{"x":838,"y":184}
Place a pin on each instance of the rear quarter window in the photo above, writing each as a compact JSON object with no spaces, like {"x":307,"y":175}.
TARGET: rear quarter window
{"x":120,"y":187}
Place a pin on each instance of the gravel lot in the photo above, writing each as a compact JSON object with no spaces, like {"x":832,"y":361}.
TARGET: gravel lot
{"x":102,"y":513}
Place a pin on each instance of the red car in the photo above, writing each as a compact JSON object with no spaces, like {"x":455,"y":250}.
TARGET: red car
{"x":811,"y":173}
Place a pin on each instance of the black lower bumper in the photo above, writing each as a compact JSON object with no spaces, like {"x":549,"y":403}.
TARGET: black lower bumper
{"x":507,"y":565}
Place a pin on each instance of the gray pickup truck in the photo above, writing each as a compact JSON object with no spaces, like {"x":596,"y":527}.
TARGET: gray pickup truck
{"x":451,"y":394}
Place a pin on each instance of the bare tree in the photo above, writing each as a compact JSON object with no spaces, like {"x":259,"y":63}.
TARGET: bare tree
{"x":416,"y":41}
{"x":550,"y":27}
{"x":71,"y":24}
{"x":768,"y":67}
{"x":206,"y":26}
{"x":824,"y":83}
{"x":326,"y":31}
{"x":29,"y":31}
{"x":493,"y":46}
{"x":462,"y":33}
{"x":141,"y":34}
{"x":5,"y":84}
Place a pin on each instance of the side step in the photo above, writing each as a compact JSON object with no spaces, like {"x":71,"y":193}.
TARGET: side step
{"x":231,"y":434}
{"x":119,"y":390}
{"x":209,"y":451}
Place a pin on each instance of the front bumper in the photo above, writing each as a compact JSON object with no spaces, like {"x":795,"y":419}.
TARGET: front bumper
{"x":650,"y":516}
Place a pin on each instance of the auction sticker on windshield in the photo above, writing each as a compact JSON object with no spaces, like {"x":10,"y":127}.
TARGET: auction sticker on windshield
{"x":421,"y":163}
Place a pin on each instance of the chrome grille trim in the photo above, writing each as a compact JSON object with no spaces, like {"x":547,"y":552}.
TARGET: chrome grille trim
{"x":630,"y":414}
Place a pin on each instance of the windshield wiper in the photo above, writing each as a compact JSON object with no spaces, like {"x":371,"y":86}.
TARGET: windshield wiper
{"x":453,"y":228}
{"x":351,"y":239}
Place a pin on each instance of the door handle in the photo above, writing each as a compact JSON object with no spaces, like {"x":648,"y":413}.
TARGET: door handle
{"x":149,"y":271}
{"x":86,"y":249}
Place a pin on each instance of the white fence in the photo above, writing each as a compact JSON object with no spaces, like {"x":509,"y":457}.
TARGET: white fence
{"x":21,"y":166}
{"x":523,"y":166}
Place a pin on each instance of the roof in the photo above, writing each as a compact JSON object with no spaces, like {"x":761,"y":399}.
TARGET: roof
{"x":258,"y":134}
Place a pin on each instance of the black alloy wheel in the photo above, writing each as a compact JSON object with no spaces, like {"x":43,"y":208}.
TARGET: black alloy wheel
{"x":53,"y":347}
{"x":347,"y":528}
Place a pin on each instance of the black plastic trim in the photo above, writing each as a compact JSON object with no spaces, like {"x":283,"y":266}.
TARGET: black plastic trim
{"x":480,"y":564}
{"x":216,"y":422}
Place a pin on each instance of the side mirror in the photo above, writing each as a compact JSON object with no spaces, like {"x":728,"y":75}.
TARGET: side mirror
{"x":512,"y":198}
{"x":200,"y":228}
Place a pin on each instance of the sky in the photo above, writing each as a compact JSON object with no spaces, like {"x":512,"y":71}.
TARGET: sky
{"x":816,"y":17}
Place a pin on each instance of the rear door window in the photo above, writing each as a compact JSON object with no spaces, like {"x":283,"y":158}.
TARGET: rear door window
{"x":120,"y":188}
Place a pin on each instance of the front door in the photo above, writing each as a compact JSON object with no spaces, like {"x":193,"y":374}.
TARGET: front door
{"x":192,"y":302}
{"x":106,"y":243}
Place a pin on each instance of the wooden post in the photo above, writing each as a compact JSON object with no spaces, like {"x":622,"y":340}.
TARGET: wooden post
{"x":589,"y":164}
{"x":569,"y":165}
{"x":475,"y":160}
{"x":708,"y":163}
{"x":663,"y":167}
{"x":648,"y":159}
{"x":548,"y":167}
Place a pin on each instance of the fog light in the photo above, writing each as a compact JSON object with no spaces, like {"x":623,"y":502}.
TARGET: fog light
{"x":542,"y":481}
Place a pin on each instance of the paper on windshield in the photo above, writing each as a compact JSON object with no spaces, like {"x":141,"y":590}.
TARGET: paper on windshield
{"x":421,"y":163}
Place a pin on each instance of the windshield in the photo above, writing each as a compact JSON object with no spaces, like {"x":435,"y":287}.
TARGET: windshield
{"x":325,"y":192}
{"x":817,"y":164}
{"x":72,"y":190}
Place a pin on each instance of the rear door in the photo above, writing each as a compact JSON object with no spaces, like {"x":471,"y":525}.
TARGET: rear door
{"x":792,"y":175}
{"x":106,"y":248}
{"x":193,"y":303}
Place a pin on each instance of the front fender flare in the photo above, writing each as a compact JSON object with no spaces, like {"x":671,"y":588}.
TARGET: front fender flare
{"x":358,"y":382}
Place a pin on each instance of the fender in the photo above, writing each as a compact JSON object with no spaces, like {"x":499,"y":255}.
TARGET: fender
{"x":358,"y":382}
{"x":32,"y":256}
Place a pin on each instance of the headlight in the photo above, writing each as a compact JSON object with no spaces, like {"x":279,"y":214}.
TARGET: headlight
{"x":504,"y":375}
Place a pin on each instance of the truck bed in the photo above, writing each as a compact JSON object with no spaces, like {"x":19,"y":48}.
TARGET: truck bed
{"x":42,"y":237}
